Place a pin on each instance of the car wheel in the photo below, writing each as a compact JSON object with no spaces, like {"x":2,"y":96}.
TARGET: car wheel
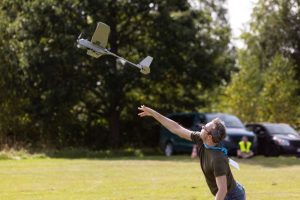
{"x":169,"y":149}
{"x":276,"y":151}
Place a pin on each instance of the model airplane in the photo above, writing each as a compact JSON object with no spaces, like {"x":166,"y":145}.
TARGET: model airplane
{"x":97,"y":47}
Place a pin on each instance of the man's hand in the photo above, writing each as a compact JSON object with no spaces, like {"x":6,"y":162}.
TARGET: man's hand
{"x":145,"y":111}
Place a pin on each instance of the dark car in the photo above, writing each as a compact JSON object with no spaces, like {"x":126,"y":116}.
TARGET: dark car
{"x":275,"y":139}
{"x":171,"y":143}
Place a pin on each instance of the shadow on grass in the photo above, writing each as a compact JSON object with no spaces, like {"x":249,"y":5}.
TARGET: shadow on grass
{"x":273,"y":162}
{"x":82,"y":153}
{"x":123,"y":154}
{"x":259,"y":161}
{"x":139,"y":154}
{"x":157,"y":155}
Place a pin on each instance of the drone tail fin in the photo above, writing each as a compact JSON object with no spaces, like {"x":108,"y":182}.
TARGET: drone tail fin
{"x":146,"y":62}
{"x":145,"y":65}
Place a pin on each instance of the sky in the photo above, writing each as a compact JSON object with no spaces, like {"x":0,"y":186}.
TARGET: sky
{"x":239,"y":12}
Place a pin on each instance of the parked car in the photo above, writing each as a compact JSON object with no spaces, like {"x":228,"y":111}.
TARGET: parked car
{"x":275,"y":139}
{"x":171,"y":143}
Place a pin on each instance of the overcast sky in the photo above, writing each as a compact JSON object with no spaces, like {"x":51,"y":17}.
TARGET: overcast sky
{"x":239,"y":15}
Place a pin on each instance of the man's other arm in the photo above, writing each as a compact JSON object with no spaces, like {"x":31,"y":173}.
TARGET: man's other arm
{"x":222,"y":187}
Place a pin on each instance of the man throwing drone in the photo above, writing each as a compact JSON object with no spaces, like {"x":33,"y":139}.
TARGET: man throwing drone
{"x":213,"y":157}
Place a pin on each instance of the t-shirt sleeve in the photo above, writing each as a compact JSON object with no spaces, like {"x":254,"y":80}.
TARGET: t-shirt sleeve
{"x":220,"y":166}
{"x":195,"y":137}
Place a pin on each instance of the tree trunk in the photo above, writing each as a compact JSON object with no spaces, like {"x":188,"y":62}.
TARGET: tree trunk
{"x":114,"y":127}
{"x":114,"y":115}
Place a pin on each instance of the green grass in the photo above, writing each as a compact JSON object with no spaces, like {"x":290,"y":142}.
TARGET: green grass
{"x":133,"y":178}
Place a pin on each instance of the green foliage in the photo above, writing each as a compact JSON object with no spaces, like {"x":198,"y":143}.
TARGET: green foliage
{"x":242,"y":94}
{"x":266,"y":88}
{"x":40,"y":71}
{"x":20,"y":154}
{"x":269,"y":95}
{"x":275,"y":29}
{"x":56,"y":96}
{"x":279,"y":100}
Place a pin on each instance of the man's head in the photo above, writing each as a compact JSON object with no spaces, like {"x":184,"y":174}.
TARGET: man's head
{"x":214,"y":131}
{"x":245,"y":139}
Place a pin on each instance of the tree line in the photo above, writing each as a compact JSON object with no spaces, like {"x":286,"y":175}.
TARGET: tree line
{"x":53,"y":95}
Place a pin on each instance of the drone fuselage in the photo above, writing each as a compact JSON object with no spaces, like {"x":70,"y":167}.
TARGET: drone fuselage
{"x":93,"y":49}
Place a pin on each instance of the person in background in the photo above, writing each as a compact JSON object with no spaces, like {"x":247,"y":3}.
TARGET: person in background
{"x":244,"y":150}
{"x":194,"y":151}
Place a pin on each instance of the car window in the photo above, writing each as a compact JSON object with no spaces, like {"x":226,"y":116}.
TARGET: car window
{"x":284,"y":129}
{"x":229,"y":120}
{"x":249,"y":127}
{"x":259,"y":131}
{"x":184,"y":120}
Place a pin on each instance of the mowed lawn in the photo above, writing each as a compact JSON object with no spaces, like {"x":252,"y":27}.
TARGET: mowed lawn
{"x":157,"y":178}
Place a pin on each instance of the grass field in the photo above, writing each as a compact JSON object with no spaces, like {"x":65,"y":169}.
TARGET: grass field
{"x":131,"y":178}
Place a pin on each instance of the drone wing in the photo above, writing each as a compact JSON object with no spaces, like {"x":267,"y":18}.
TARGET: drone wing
{"x":100,"y":38}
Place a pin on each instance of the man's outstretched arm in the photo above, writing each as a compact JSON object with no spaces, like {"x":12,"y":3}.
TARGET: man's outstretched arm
{"x":171,"y":125}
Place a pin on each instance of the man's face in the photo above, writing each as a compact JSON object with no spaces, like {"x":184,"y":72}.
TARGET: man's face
{"x":245,"y":139}
{"x":206,"y":130}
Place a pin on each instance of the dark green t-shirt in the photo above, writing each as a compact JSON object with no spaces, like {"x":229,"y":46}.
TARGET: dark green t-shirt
{"x":213,"y":164}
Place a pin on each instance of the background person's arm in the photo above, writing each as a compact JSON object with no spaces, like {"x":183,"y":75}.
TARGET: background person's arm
{"x":222,"y":187}
{"x":171,"y":125}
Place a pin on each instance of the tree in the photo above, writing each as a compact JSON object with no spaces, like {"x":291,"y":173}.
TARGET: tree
{"x":279,"y":101}
{"x":266,"y":87}
{"x":72,"y":99}
{"x":275,"y":29}
{"x":40,"y":66}
{"x":242,"y":95}
{"x":13,"y":118}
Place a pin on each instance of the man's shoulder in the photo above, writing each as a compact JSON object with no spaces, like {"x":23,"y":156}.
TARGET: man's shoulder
{"x":196,"y":137}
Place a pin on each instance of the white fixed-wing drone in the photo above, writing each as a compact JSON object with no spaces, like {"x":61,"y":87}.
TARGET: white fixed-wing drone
{"x":97,"y":47}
